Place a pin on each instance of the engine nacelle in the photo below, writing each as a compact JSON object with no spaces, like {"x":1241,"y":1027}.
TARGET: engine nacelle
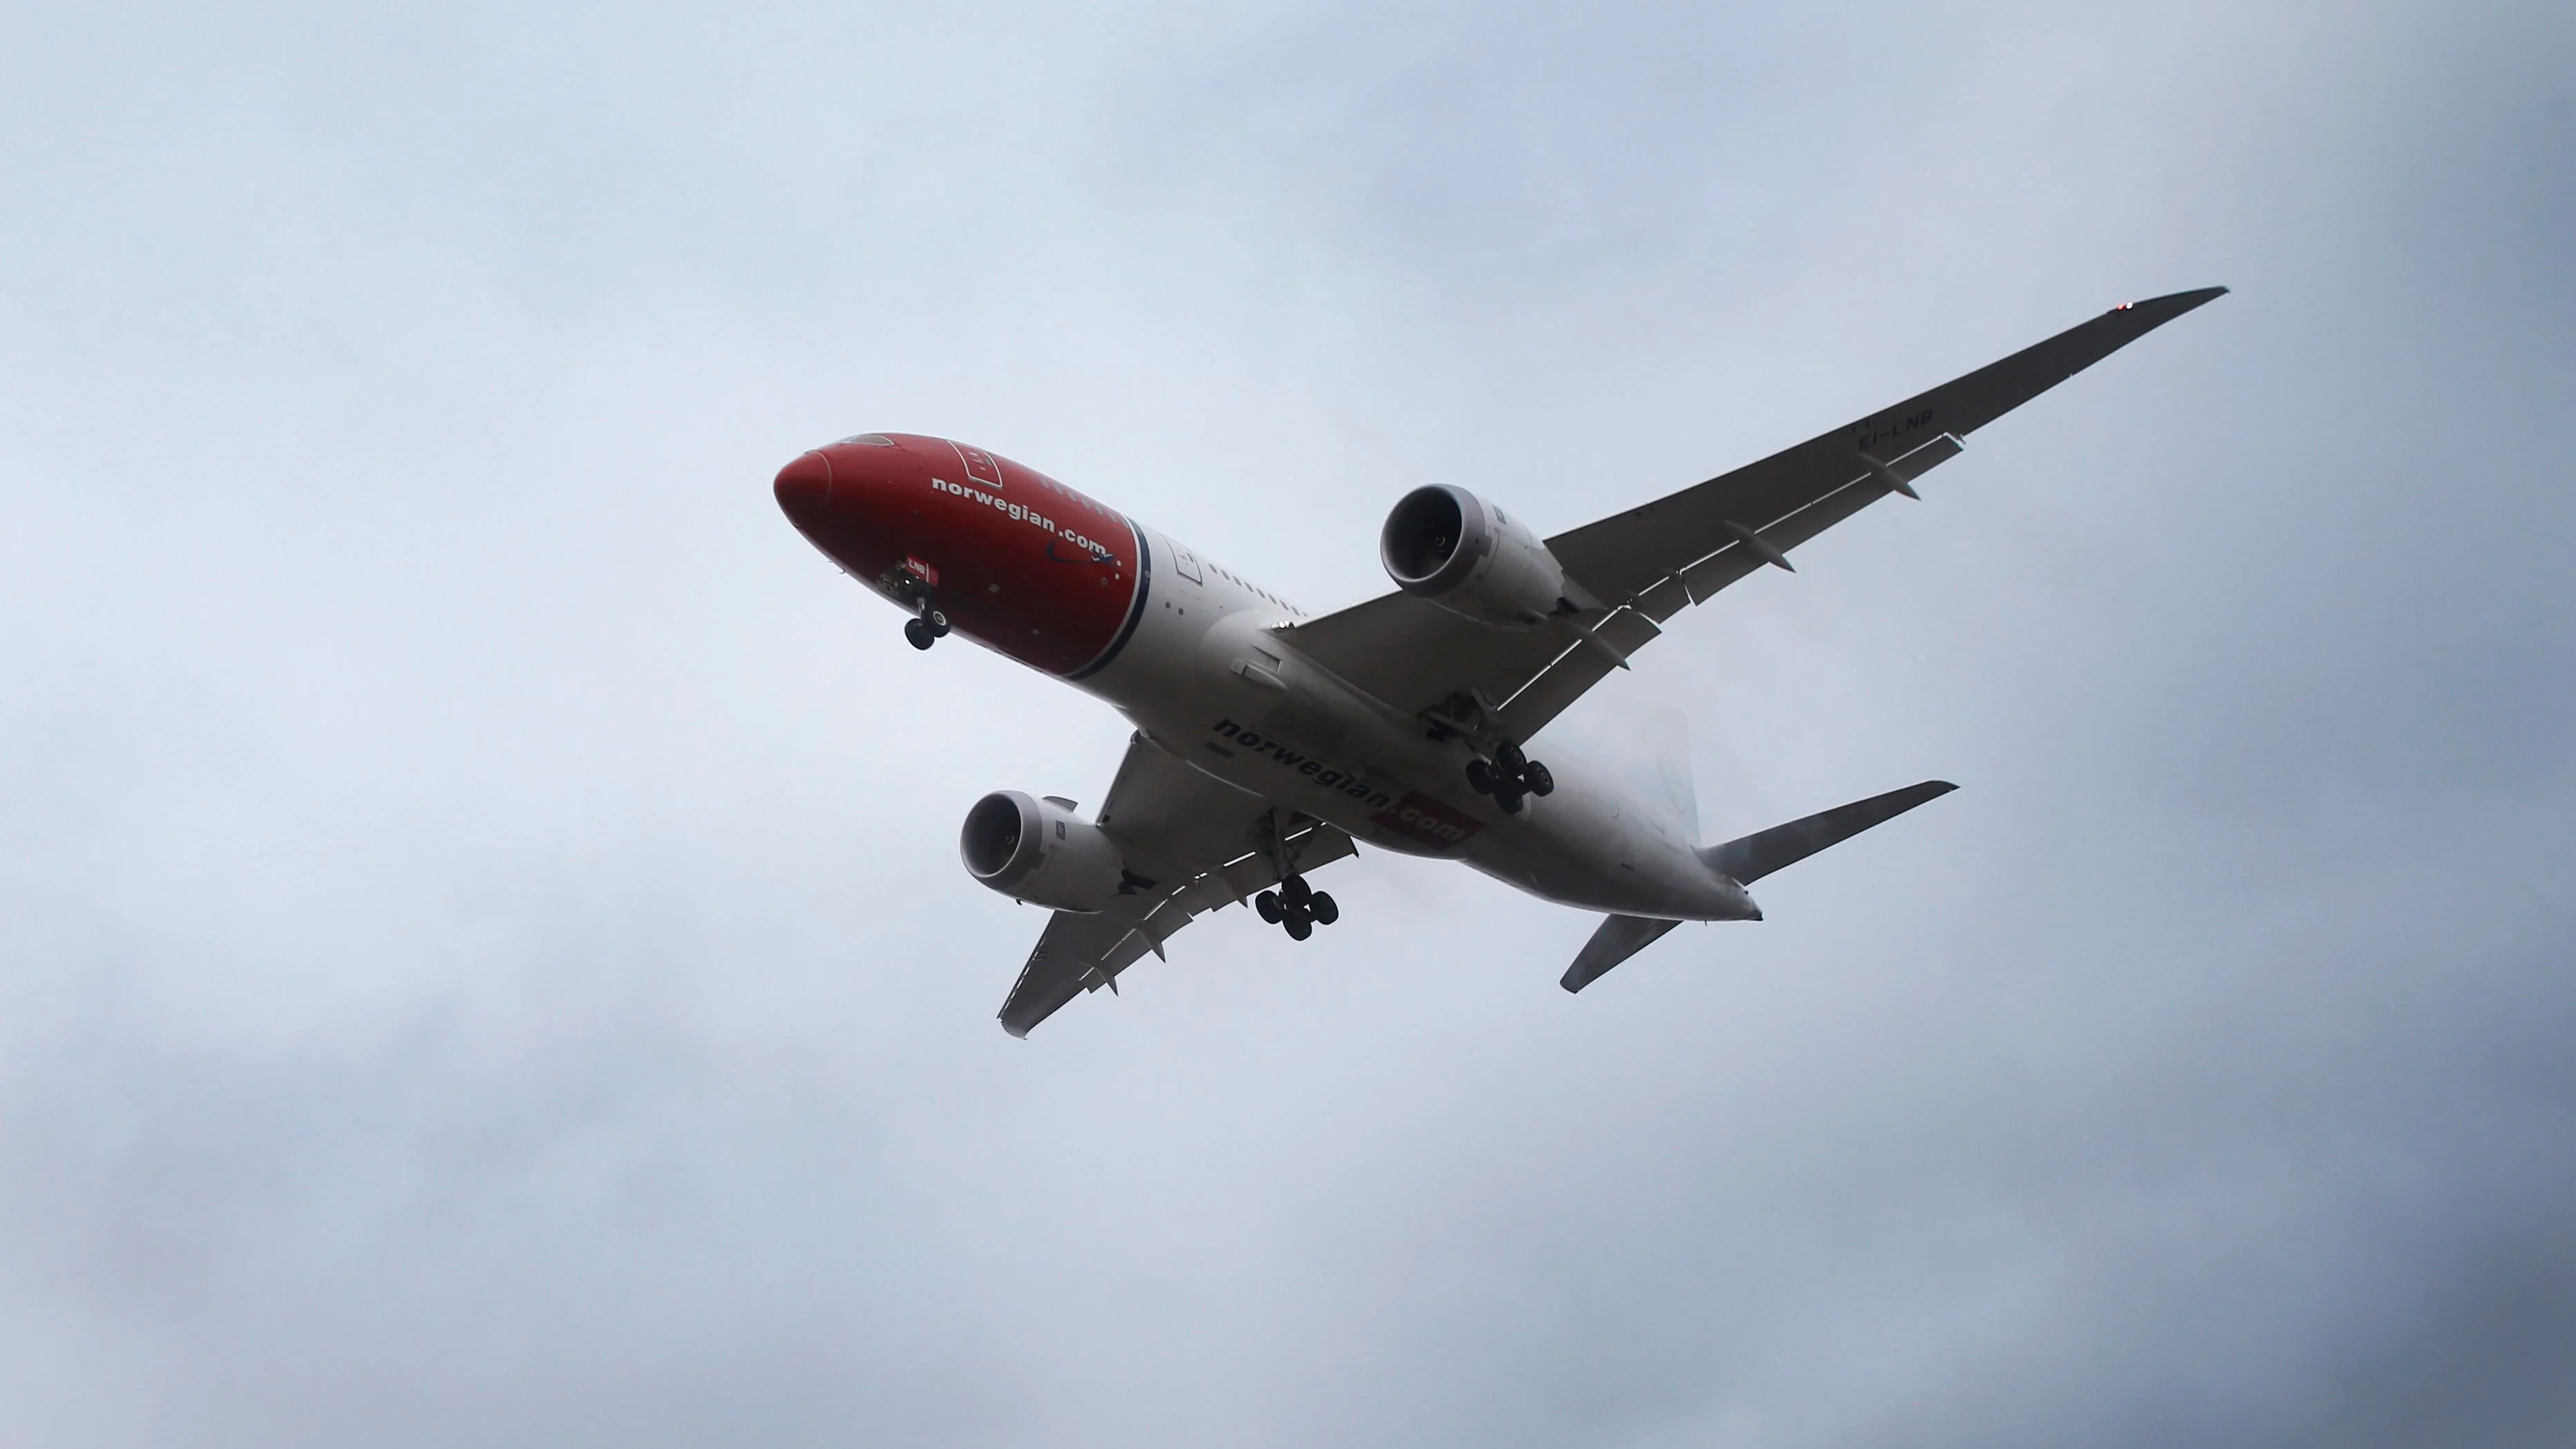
{"x":1038,"y":851}
{"x":1469,"y":557}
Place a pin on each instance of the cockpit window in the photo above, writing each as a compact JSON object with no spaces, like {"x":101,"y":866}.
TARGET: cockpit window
{"x":867,"y":440}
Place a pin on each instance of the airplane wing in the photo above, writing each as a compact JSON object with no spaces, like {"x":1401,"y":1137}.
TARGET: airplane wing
{"x":1201,"y":842}
{"x":1647,"y":564}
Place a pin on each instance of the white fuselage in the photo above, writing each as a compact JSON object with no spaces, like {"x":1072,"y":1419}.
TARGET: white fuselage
{"x":1205,"y":677}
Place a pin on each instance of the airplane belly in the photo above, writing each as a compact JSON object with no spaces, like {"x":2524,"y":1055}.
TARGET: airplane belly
{"x":1205,"y":679}
{"x":1585,"y":845}
{"x":1214,"y":689}
{"x":1563,"y":866}
{"x":1355,"y":791}
{"x":1591,"y":846}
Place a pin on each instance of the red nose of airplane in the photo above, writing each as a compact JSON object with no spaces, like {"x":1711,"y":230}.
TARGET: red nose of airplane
{"x":805,"y":488}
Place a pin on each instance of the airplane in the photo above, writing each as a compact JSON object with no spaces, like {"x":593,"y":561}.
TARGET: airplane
{"x":1270,"y":742}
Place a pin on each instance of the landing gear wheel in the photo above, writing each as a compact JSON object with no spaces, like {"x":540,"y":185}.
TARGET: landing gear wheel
{"x":1538,"y":779}
{"x":1299,"y":928}
{"x":1510,"y":800}
{"x":1480,"y":776}
{"x":919,"y":633}
{"x":938,"y":624}
{"x":1509,"y":759}
{"x":1295,"y":891}
{"x":1267,"y":903}
{"x":1325,"y":911}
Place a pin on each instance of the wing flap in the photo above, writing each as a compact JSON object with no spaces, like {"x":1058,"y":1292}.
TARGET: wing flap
{"x":1236,"y":882}
{"x":1083,"y":952}
{"x":1626,"y":552}
{"x":1576,"y":671}
{"x":1686,"y":547}
{"x":1871,"y":481}
{"x":1075,"y":951}
{"x":1631,"y":627}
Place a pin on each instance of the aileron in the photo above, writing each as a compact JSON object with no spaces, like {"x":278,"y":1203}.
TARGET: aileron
{"x":1085,"y":951}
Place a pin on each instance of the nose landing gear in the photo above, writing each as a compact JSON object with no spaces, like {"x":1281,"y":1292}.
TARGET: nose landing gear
{"x":926,"y":630}
{"x":1297,"y":908}
{"x":1509,"y":776}
{"x":911,"y":588}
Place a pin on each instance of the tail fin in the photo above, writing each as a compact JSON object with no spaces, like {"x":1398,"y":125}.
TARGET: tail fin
{"x":1754,"y":856}
{"x":1747,"y":860}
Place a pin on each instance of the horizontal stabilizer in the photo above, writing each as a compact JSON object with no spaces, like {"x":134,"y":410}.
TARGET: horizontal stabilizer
{"x":1757,"y":855}
{"x":1619,"y":938}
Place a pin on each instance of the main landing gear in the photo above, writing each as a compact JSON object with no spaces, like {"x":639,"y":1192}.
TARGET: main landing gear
{"x":1297,"y":907}
{"x":1503,"y":771}
{"x":1509,"y":776}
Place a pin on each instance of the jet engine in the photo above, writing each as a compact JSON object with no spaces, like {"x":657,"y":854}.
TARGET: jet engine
{"x":1469,"y":557}
{"x":1038,"y":851}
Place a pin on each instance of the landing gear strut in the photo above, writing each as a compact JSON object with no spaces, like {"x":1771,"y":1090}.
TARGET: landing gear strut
{"x":1297,"y":907}
{"x":1509,"y":776}
{"x":912,"y":589}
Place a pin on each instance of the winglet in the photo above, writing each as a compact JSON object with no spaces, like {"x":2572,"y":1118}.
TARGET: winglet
{"x":2174,"y":304}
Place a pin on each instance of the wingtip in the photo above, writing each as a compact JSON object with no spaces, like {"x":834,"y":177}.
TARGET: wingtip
{"x":2174,"y":304}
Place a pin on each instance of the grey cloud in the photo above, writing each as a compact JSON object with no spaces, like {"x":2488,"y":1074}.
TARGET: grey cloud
{"x":479,"y":951}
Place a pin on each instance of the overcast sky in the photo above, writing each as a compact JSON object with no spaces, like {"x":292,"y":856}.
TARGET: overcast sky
{"x":482,"y":952}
